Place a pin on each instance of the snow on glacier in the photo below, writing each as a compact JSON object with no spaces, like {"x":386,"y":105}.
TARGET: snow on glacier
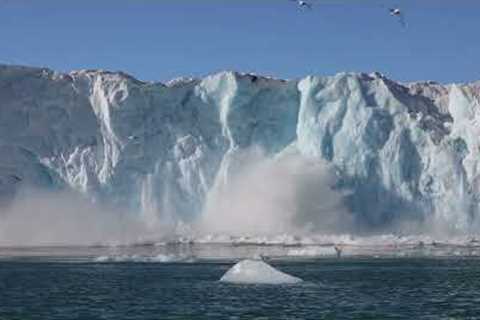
{"x":404,"y":151}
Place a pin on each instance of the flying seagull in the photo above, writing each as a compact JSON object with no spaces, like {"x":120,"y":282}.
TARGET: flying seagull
{"x":397,"y":13}
{"x":303,"y":4}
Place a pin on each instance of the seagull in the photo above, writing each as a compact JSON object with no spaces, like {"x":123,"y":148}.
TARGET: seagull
{"x":133,"y":138}
{"x":303,"y":4}
{"x":396,"y":12}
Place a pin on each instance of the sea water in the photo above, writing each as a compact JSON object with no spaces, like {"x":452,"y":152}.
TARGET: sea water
{"x":51,"y":284}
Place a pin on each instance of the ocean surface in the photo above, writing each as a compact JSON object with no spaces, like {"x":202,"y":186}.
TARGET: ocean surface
{"x":49,"y":284}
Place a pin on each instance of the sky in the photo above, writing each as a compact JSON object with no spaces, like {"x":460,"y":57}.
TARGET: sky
{"x":158,"y":40}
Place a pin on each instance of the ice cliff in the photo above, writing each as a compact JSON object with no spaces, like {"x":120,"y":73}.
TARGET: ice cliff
{"x":403,"y":150}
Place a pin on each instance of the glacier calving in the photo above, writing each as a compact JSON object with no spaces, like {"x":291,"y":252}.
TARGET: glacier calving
{"x":404,"y":151}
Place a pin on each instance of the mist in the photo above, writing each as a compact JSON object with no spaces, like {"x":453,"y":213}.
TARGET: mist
{"x":254,"y":194}
{"x":39,"y":218}
{"x":260,"y":195}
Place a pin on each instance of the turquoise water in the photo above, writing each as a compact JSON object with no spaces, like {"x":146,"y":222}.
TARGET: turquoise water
{"x":351,"y":288}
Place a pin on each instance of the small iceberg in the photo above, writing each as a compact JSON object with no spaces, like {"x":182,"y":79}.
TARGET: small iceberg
{"x":257,"y":272}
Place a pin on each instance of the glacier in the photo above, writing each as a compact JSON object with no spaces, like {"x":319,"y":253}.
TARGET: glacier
{"x":406,"y":153}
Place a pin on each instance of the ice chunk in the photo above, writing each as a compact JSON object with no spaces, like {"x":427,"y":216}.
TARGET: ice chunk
{"x":141,"y":259}
{"x":257,"y":272}
{"x":312,"y":252}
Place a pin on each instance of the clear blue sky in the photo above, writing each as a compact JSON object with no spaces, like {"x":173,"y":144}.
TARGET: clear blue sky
{"x":164,"y":39}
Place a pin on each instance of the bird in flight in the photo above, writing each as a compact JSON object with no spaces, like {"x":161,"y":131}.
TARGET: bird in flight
{"x":397,"y":13}
{"x":303,"y":4}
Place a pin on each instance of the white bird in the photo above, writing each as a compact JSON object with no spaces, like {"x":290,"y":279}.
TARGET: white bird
{"x":303,"y":4}
{"x":396,"y":12}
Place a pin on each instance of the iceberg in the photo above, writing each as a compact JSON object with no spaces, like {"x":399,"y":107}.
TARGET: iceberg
{"x":257,"y":272}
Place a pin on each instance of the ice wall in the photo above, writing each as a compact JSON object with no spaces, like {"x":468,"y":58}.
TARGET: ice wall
{"x":404,"y":151}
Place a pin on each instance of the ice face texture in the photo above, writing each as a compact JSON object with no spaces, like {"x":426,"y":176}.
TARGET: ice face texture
{"x":403,"y":150}
{"x":257,"y":272}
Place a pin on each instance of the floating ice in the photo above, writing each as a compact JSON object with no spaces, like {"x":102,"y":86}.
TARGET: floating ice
{"x":257,"y":272}
{"x":312,"y":252}
{"x":138,"y":258}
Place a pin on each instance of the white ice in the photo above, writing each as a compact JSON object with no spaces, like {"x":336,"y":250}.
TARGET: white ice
{"x":257,"y":272}
{"x":160,"y":258}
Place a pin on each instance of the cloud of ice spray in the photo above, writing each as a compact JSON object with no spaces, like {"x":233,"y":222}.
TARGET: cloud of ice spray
{"x":258,"y":195}
{"x":254,"y":194}
{"x":39,"y":218}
